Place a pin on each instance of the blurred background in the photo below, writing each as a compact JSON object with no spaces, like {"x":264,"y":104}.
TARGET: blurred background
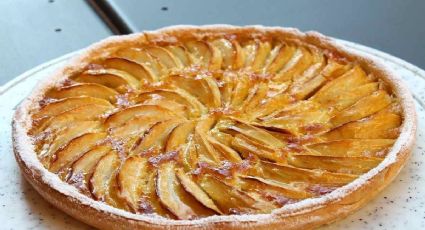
{"x":35,"y":31}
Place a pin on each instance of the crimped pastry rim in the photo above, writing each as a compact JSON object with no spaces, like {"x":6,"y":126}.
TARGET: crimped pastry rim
{"x":395,"y":159}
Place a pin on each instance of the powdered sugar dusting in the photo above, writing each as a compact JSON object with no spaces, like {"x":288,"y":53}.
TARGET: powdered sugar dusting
{"x":25,"y":148}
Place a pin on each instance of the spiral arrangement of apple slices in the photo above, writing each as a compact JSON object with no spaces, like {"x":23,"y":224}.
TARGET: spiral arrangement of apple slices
{"x":216,"y":126}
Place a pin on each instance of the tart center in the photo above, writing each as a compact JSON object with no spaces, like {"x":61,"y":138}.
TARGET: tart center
{"x":214,"y":126}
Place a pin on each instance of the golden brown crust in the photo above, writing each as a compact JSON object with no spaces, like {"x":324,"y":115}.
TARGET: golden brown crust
{"x":304,"y":216}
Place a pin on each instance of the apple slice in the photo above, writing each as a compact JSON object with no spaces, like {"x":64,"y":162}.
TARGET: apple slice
{"x":82,"y":113}
{"x":240,"y":90}
{"x":180,"y":54}
{"x":289,"y":174}
{"x":63,"y":137}
{"x":82,"y":169}
{"x":203,"y":87}
{"x":179,"y":109}
{"x":121,"y":117}
{"x":181,"y":97}
{"x":84,"y":89}
{"x":155,"y":138}
{"x":270,"y":104}
{"x":203,"y":54}
{"x":180,"y":136}
{"x":382,"y":125}
{"x":74,"y":150}
{"x":239,"y":55}
{"x":112,"y":78}
{"x":164,"y":56}
{"x":227,"y":52}
{"x":141,"y":57}
{"x":228,"y":153}
{"x":362,"y":108}
{"x":249,"y":51}
{"x":204,"y":149}
{"x":315,"y":121}
{"x":175,"y":197}
{"x":352,"y":147}
{"x":348,"y":165}
{"x":135,"y":69}
{"x":267,"y":186}
{"x":131,"y":179}
{"x":246,"y":146}
{"x":349,"y":80}
{"x":102,"y":175}
{"x":195,"y":190}
{"x":188,"y":155}
{"x":62,"y":105}
{"x":257,"y":134}
{"x":284,"y":55}
{"x":261,"y":54}
{"x":227,"y":198}
{"x":259,"y":93}
{"x":299,"y":62}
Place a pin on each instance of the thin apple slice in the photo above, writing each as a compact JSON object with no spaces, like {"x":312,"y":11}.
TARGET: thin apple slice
{"x":257,"y":134}
{"x":179,"y":109}
{"x":227,"y":52}
{"x":349,"y":80}
{"x":349,"y":165}
{"x":289,"y":174}
{"x":137,"y":125}
{"x":103,"y":181}
{"x":136,"y":70}
{"x":247,"y":146}
{"x":239,"y":55}
{"x":102,"y":175}
{"x":131,"y":179}
{"x":82,"y":113}
{"x":267,"y":186}
{"x":180,"y":54}
{"x":352,"y":147}
{"x":188,"y":155}
{"x":258,"y":95}
{"x":74,"y":150}
{"x":164,"y":56}
{"x":195,"y":190}
{"x":180,"y":136}
{"x":381,"y":125}
{"x":82,"y":169}
{"x":286,"y":52}
{"x":204,"y":149}
{"x":226,"y":151}
{"x":249,"y":50}
{"x":84,"y":89}
{"x":62,"y":105}
{"x":140,"y":56}
{"x":121,"y":117}
{"x":315,"y":121}
{"x":227,"y":84}
{"x":203,"y":54}
{"x":262,"y":52}
{"x":240,"y":90}
{"x":112,"y":78}
{"x":203,"y":87}
{"x":362,"y":108}
{"x":227,"y":198}
{"x":348,"y":98}
{"x":299,"y":61}
{"x":271,"y":104}
{"x":155,"y":138}
{"x":177,"y":95}
{"x":173,"y":195}
{"x":63,"y":137}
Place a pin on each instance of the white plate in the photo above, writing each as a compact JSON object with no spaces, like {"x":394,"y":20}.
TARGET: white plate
{"x":400,"y":206}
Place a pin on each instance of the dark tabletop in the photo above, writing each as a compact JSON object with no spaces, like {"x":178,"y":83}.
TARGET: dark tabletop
{"x":36,"y":31}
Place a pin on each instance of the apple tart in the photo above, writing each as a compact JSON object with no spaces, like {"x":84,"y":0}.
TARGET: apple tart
{"x":214,"y":126}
